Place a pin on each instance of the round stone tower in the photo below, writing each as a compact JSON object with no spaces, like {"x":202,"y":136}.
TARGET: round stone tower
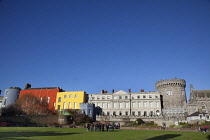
{"x":172,"y":92}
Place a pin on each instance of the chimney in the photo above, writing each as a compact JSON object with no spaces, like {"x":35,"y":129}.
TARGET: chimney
{"x":129,"y":90}
{"x":0,"y":92}
{"x":142,"y":90}
{"x":105,"y":91}
{"x":112,"y":90}
{"x":27,"y":86}
{"x":102,"y":91}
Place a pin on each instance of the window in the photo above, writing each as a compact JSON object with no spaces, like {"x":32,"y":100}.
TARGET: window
{"x":64,"y":96}
{"x":156,"y":96}
{"x":93,"y":98}
{"x":75,"y":96}
{"x":145,"y":113}
{"x":70,"y":96}
{"x":126,"y":105}
{"x":121,"y":105}
{"x":150,"y":96}
{"x":54,"y":104}
{"x":107,"y":113}
{"x":108,"y":105}
{"x":145,"y":104}
{"x":133,"y":104}
{"x":75,"y":105}
{"x":151,"y":113}
{"x":103,"y":105}
{"x":138,"y":96}
{"x":169,"y":92}
{"x":40,"y":99}
{"x":48,"y":100}
{"x":144,"y":96}
{"x":64,"y":105}
{"x":115,"y":97}
{"x":59,"y":107}
{"x":133,"y":113}
{"x":114,"y":113}
{"x":69,"y":105}
{"x":151,"y":104}
{"x":98,"y":97}
{"x":108,"y":97}
{"x":120,"y":113}
{"x":103,"y":97}
{"x":139,"y":113}
{"x":115,"y":105}
{"x":126,"y":112}
{"x":120,"y":97}
{"x":139,"y":104}
{"x":59,"y":99}
{"x":126,"y":97}
{"x":132,"y":97}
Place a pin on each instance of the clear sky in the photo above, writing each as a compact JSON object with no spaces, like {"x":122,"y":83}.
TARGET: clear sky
{"x":92,"y":45}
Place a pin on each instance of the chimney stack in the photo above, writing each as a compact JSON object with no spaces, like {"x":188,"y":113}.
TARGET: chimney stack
{"x":112,"y":90}
{"x":129,"y":90}
{"x":102,"y":91}
{"x":142,"y":90}
{"x":27,"y":86}
{"x":0,"y":92}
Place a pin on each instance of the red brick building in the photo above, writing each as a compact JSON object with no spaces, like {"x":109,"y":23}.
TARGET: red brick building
{"x":49,"y":92}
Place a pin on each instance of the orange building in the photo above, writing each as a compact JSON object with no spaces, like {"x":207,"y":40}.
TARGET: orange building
{"x":49,"y":92}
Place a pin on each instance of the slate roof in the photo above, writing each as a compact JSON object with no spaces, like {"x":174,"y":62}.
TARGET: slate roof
{"x":202,"y":93}
{"x":197,"y":114}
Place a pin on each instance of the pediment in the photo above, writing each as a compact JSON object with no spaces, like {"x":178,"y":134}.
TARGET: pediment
{"x":120,"y":92}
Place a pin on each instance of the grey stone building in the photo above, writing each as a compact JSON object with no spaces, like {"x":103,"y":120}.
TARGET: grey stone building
{"x":199,"y":101}
{"x":173,"y":98}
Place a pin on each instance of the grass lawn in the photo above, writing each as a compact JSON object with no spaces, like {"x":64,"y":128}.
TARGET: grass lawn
{"x":45,"y":133}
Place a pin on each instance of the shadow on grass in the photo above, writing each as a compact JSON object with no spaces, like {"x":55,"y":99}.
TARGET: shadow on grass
{"x":208,"y":137}
{"x":17,"y":135}
{"x":164,"y":137}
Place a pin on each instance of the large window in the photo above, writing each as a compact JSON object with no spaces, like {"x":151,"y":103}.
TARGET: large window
{"x":69,"y":105}
{"x":75,"y":105}
{"x":59,"y":99}
{"x":169,"y":92}
{"x":115,"y":105}
{"x":121,"y":105}
{"x":59,"y":107}
{"x":64,"y":105}
{"x":139,"y":104}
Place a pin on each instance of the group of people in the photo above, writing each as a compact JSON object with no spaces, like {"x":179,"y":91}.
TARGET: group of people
{"x":204,"y":129}
{"x":101,"y":127}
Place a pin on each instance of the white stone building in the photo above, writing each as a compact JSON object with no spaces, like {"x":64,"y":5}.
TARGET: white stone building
{"x":123,"y":103}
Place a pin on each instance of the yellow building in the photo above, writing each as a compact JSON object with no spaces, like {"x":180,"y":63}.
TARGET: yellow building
{"x":69,"y":100}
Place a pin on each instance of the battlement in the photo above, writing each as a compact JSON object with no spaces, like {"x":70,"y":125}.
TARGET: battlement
{"x":170,"y":82}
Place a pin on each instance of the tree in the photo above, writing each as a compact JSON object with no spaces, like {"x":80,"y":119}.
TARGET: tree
{"x":78,"y":116}
{"x":139,"y":121}
{"x":29,"y":104}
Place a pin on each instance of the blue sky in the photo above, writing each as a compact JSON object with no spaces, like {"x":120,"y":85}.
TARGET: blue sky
{"x":104,"y":44}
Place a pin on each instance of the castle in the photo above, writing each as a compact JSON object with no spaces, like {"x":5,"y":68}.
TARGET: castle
{"x":168,"y":103}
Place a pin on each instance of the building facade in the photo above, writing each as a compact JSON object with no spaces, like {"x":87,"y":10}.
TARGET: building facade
{"x":43,"y":92}
{"x":123,"y":103}
{"x":173,"y":98}
{"x":199,"y":100}
{"x":10,"y":96}
{"x":70,"y":100}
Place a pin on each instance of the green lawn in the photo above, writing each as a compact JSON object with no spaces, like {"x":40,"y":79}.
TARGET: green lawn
{"x":45,"y":133}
